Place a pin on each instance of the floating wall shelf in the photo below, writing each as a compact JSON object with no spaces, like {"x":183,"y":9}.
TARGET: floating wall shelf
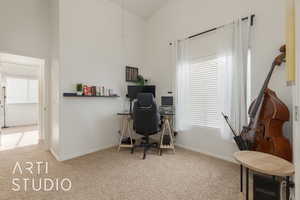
{"x":75,"y":95}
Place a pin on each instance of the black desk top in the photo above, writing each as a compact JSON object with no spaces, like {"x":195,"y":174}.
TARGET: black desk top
{"x":123,"y":113}
{"x":161,"y":113}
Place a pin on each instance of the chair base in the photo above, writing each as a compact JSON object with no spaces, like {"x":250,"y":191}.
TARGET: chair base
{"x":146,"y":145}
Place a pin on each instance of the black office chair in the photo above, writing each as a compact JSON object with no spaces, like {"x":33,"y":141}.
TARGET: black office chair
{"x":146,"y":120}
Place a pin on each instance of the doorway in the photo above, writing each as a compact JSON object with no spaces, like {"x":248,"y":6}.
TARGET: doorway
{"x":21,"y":101}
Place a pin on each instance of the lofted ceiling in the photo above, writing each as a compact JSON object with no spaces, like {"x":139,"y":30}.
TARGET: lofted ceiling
{"x":142,"y":8}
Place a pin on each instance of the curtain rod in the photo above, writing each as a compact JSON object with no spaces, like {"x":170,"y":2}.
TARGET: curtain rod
{"x":213,"y":29}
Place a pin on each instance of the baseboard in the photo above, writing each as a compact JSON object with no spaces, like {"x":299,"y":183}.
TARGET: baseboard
{"x":54,"y":154}
{"x":208,"y":154}
{"x":79,"y":154}
{"x":21,"y":125}
{"x":75,"y":155}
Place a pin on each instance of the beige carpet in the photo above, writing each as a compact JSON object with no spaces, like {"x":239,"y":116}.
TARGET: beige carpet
{"x":109,"y":175}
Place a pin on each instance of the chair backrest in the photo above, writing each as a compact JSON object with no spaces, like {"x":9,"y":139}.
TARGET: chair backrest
{"x":145,"y":115}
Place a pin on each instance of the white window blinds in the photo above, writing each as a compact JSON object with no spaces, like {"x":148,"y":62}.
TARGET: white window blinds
{"x":204,"y":88}
{"x":22,"y":90}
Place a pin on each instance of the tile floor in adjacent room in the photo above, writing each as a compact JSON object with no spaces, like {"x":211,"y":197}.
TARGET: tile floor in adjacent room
{"x":19,"y":136}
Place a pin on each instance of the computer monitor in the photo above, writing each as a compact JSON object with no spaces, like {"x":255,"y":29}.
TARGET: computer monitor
{"x":166,"y":101}
{"x":149,"y":89}
{"x":134,"y":90}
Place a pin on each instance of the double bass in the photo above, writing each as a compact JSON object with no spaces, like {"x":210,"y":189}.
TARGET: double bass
{"x":267,"y":116}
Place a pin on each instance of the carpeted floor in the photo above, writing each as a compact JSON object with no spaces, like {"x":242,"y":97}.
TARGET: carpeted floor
{"x":109,"y":175}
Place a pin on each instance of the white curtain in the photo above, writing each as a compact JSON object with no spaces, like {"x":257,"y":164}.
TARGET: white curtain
{"x":230,"y":45}
{"x":183,"y":86}
{"x":233,"y":78}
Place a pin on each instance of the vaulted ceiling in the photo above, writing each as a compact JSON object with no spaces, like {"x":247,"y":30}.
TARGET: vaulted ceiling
{"x":142,"y":8}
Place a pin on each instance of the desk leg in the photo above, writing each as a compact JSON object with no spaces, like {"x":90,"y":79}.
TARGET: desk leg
{"x":247,"y":184}
{"x":171,"y":134}
{"x":287,"y":188}
{"x":124,"y":130}
{"x":161,"y":139}
{"x":242,"y":178}
{"x":131,"y":132}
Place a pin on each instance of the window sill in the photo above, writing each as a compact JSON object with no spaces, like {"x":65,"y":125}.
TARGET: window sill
{"x":206,"y":127}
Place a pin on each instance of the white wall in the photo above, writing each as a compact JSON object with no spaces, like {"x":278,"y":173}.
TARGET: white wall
{"x":24,"y":27}
{"x":179,"y":19}
{"x":54,"y":138}
{"x":91,"y":52}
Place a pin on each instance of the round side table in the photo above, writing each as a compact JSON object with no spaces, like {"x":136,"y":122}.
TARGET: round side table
{"x":266,"y":164}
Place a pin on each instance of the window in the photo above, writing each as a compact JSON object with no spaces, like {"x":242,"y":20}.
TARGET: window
{"x":204,"y":88}
{"x":22,"y":90}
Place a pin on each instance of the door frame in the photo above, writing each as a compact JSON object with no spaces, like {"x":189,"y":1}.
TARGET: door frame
{"x":41,"y":64}
{"x":296,"y":104}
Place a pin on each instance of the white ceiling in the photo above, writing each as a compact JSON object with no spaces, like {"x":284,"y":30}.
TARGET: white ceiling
{"x":142,"y":8}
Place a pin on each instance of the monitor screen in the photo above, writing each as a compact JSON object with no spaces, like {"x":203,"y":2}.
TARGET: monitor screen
{"x":167,"y":101}
{"x":133,"y":90}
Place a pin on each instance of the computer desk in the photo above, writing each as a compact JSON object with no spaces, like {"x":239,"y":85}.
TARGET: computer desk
{"x":127,"y":130}
{"x":167,"y":129}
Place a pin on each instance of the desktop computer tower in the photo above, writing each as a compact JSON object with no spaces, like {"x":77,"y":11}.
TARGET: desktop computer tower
{"x":265,"y":188}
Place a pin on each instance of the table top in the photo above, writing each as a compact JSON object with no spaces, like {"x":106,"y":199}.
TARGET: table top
{"x":265,"y":163}
{"x":161,"y":113}
{"x":123,"y":113}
